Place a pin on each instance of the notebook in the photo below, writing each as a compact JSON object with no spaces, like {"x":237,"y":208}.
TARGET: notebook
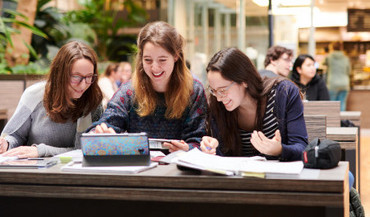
{"x":79,"y":168}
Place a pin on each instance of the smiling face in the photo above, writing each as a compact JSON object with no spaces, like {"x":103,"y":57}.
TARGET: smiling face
{"x":158,"y":64}
{"x":83,"y":68}
{"x":307,"y":71}
{"x":233,"y":96}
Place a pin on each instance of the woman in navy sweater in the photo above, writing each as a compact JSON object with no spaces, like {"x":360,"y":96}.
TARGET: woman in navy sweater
{"x":249,"y":115}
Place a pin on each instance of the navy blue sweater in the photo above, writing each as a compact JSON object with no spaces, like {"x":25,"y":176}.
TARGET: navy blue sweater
{"x":288,"y":110}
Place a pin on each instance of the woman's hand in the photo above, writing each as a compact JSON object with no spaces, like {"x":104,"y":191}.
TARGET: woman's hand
{"x":176,"y":145}
{"x":103,"y":128}
{"x":265,"y":145}
{"x":22,"y":152}
{"x":209,"y":144}
{"x":3,"y":145}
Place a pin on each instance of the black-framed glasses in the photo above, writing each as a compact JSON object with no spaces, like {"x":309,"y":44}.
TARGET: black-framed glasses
{"x":222,"y":92}
{"x":76,"y":79}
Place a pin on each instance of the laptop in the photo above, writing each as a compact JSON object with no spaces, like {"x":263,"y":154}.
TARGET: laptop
{"x":125,"y":149}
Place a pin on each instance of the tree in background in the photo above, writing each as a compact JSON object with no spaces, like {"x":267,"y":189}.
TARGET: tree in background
{"x":102,"y":17}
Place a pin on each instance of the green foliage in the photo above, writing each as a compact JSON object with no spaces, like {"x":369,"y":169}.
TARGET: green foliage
{"x":106,"y":23}
{"x":6,"y":29}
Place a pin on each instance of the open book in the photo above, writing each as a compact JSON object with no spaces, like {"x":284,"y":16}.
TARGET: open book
{"x":197,"y":159}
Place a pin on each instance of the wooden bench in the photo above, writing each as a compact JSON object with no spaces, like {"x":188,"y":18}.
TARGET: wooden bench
{"x":316,"y":126}
{"x":346,"y":136}
{"x":331,"y":109}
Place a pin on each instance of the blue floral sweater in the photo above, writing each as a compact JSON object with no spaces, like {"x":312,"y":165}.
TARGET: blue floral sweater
{"x":121,"y":115}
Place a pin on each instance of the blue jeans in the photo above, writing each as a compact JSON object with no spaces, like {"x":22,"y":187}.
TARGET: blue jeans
{"x":351,"y":180}
{"x":340,"y":95}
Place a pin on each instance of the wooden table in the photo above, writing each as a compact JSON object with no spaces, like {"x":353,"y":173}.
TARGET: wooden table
{"x":168,"y":191}
{"x":348,"y":140}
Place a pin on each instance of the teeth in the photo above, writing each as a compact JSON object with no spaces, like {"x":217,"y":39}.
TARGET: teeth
{"x":157,"y":74}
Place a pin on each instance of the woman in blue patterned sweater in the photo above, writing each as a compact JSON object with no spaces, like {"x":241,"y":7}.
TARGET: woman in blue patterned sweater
{"x":162,"y":99}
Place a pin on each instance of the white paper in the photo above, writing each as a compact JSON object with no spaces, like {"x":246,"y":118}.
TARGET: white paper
{"x":77,"y":167}
{"x":3,"y":159}
{"x":239,"y":164}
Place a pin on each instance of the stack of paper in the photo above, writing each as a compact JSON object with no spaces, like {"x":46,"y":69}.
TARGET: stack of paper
{"x":237,"y":165}
{"x":77,"y":167}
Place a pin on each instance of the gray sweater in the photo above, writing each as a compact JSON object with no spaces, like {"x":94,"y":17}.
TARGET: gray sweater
{"x":30,"y":125}
{"x":49,"y":137}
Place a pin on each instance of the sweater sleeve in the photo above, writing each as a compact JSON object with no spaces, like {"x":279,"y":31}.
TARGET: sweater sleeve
{"x":194,"y":125}
{"x":19,"y":137}
{"x":116,"y":114}
{"x":291,"y":121}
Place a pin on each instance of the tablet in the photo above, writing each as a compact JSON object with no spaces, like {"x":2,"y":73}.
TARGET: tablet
{"x":103,"y":149}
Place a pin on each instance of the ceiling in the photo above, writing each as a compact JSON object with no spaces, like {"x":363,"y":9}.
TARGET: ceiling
{"x":253,"y":9}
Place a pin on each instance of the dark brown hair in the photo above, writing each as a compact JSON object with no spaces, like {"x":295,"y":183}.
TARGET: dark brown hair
{"x":112,"y":67}
{"x":275,"y":52}
{"x":57,"y":102}
{"x":235,"y":66}
{"x":181,"y":82}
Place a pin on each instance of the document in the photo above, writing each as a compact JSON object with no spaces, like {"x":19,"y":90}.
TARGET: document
{"x":237,"y":165}
{"x":74,"y":166}
{"x":33,"y":163}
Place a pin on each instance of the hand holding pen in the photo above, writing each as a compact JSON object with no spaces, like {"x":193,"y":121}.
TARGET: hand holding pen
{"x":209,"y":144}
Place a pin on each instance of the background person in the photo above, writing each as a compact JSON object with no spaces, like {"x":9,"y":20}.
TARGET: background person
{"x":126,"y":73}
{"x":162,"y":99}
{"x":107,"y":82}
{"x":338,"y":72}
{"x":249,"y":115}
{"x":311,"y":84}
{"x":278,"y":61}
{"x":51,"y":115}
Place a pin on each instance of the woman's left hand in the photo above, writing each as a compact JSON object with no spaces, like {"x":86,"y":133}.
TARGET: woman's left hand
{"x":265,"y":145}
{"x":176,"y":145}
{"x":22,"y":152}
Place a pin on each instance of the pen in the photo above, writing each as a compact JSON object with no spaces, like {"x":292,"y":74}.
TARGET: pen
{"x":35,"y":158}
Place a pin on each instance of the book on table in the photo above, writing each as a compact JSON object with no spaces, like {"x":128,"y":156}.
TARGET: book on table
{"x":242,"y":166}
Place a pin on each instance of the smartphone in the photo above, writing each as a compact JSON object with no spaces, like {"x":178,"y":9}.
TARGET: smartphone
{"x":155,"y":143}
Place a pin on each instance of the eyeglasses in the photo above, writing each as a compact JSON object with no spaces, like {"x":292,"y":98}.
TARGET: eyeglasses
{"x":287,"y":60}
{"x":76,"y":79}
{"x":222,"y":92}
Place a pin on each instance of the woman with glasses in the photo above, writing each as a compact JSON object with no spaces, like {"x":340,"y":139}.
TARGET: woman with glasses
{"x":51,"y":115}
{"x":162,"y":98}
{"x":251,"y":116}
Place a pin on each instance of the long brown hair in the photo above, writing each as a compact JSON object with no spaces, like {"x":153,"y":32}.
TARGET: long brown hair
{"x":235,"y":66}
{"x":57,"y":102}
{"x":180,"y":85}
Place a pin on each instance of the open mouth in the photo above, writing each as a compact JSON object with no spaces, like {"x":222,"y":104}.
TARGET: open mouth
{"x":227,"y":103}
{"x":156,"y":75}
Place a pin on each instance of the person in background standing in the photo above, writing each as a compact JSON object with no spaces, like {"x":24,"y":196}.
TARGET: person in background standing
{"x":107,"y":82}
{"x":311,"y":84}
{"x":126,"y":72}
{"x":338,"y":72}
{"x":278,"y":61}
